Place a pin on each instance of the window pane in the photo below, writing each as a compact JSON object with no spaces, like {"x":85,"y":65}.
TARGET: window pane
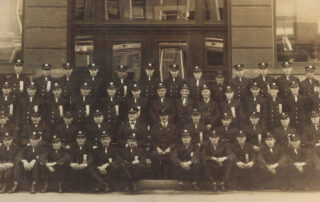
{"x":84,"y":46}
{"x":172,"y":53}
{"x":298,"y":30}
{"x":214,"y":10}
{"x":85,"y":9}
{"x":128,"y":54}
{"x":11,"y":12}
{"x":215,"y":51}
{"x":161,"y":10}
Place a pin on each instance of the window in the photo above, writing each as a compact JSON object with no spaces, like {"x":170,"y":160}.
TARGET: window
{"x":128,"y":54}
{"x":172,"y":53}
{"x":84,"y":46}
{"x":11,"y":16}
{"x":214,"y":51}
{"x":214,"y":10}
{"x":298,"y":30}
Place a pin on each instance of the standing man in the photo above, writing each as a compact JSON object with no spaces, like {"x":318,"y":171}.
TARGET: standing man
{"x":174,"y":82}
{"x":18,"y":81}
{"x":286,"y":80}
{"x":196,"y":83}
{"x":69,"y":83}
{"x":264,"y":80}
{"x":45,"y":82}
{"x":149,"y":83}
{"x":240,"y":83}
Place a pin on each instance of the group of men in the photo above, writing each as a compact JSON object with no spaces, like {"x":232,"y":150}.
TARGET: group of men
{"x":90,"y":133}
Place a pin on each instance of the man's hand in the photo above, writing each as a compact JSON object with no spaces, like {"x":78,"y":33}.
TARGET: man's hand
{"x":102,"y":170}
{"x":51,"y":164}
{"x":148,"y":162}
{"x":241,"y":165}
{"x":26,"y":165}
{"x":32,"y":163}
{"x":256,"y":148}
{"x":159,"y":150}
{"x":135,"y":162}
{"x":2,"y":168}
{"x":83,"y":165}
{"x":167,"y":150}
{"x":7,"y":165}
{"x":51,"y":169}
{"x":74,"y":166}
{"x":250,"y":164}
{"x":214,"y":158}
{"x":67,"y":147}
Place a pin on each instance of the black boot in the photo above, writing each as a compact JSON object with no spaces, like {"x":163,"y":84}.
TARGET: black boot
{"x":214,"y":186}
{"x":60,"y":189}
{"x":134,"y":187}
{"x":195,"y":186}
{"x":44,"y":189}
{"x":3,"y":188}
{"x":33,"y":189}
{"x":14,"y":189}
{"x":222,"y":188}
{"x":180,"y":186}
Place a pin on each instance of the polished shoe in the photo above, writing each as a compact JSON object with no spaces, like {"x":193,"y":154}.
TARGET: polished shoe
{"x":222,"y":188}
{"x":126,"y":188}
{"x":134,"y":187}
{"x":60,"y":189}
{"x":214,"y":186}
{"x":180,"y":186}
{"x":107,"y":188}
{"x":14,"y":189}
{"x":195,"y":186}
{"x":44,"y":189}
{"x":3,"y":188}
{"x":33,"y":189}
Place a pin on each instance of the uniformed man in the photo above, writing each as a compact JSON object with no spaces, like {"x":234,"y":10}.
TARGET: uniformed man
{"x":8,"y":102}
{"x":264,"y":80}
{"x":255,"y":102}
{"x":308,"y":84}
{"x":94,"y":80}
{"x":272,"y":163}
{"x":219,"y":88}
{"x":297,"y":107}
{"x":138,"y":102}
{"x":133,"y":163}
{"x":149,"y":83}
{"x":67,"y":130}
{"x":255,"y":131}
{"x":245,"y":162}
{"x":94,"y":128}
{"x":226,"y":131}
{"x":174,"y":82}
{"x":161,"y":102}
{"x":54,"y":164}
{"x":45,"y":82}
{"x":28,"y":163}
{"x":285,"y":80}
{"x":186,"y":161}
{"x":8,"y":152}
{"x":198,"y":131}
{"x":18,"y":81}
{"x":216,"y":161}
{"x":132,"y":127}
{"x":183,"y":106}
{"x":7,"y":126}
{"x":239,"y":83}
{"x":274,"y":108}
{"x":315,"y":98}
{"x":106,"y":164}
{"x":299,"y":164}
{"x":122,"y":83}
{"x":80,"y":159}
{"x":37,"y":125}
{"x":196,"y":83}
{"x":163,"y":140}
{"x":68,"y":83}
{"x":209,"y":109}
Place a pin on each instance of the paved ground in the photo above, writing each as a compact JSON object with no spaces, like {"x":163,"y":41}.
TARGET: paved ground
{"x":167,"y":196}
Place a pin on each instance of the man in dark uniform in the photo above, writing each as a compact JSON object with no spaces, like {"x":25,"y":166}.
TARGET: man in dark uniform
{"x":226,"y":131}
{"x":37,"y":125}
{"x":239,"y":83}
{"x":216,"y":161}
{"x":161,"y":102}
{"x":274,"y":108}
{"x":245,"y":163}
{"x":54,"y":164}
{"x":94,"y":80}
{"x":286,"y":80}
{"x":138,"y":102}
{"x":8,"y":102}
{"x":255,"y":102}
{"x":174,"y":82}
{"x":219,"y":88}
{"x":67,"y":130}
{"x":133,"y":163}
{"x":315,"y":98}
{"x":297,"y":107}
{"x":299,"y":164}
{"x":123,"y":84}
{"x":8,"y":152}
{"x":183,"y":106}
{"x":28,"y":162}
{"x":105,"y":166}
{"x":264,"y":80}
{"x":8,"y":126}
{"x":272,"y":163}
{"x":149,"y":83}
{"x":69,"y":83}
{"x":45,"y":82}
{"x":80,"y":159}
{"x":308,"y":84}
{"x":209,"y":109}
{"x":198,"y":131}
{"x":163,"y":140}
{"x":196,"y":83}
{"x":94,"y":128}
{"x":18,"y":81}
{"x":282,"y":133}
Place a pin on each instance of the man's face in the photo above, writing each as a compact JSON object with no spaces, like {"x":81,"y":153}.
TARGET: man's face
{"x":270,"y":142}
{"x":164,"y":118}
{"x":263,"y":72}
{"x":317,"y":89}
{"x":241,"y":140}
{"x":214,"y":140}
{"x":184,"y":93}
{"x":285,"y":122}
{"x":206,"y":93}
{"x":287,"y":71}
{"x":197,"y":75}
{"x":132,"y":143}
{"x":85,"y":92}
{"x":255,"y":91}
{"x":7,"y":142}
{"x":136,"y":93}
{"x":186,"y":140}
{"x":81,"y":141}
{"x":122,"y":75}
{"x":31,"y":92}
{"x":3,"y":120}
{"x":105,"y":141}
{"x":295,"y":91}
{"x":18,"y":69}
{"x":68,"y":72}
{"x":315,"y":120}
{"x":111,"y":92}
{"x":57,"y":92}
{"x":93,"y":72}
{"x":226,"y":122}
{"x":274,"y":92}
{"x":149,"y":72}
{"x":239,"y":73}
{"x":35,"y":120}
{"x":296,"y":144}
{"x":174,"y":74}
{"x":6,"y":91}
{"x":310,"y":75}
{"x":162,"y":92}
{"x":68,"y":120}
{"x":98,"y":119}
{"x":220,"y":80}
{"x":196,"y":118}
{"x":132,"y":117}
{"x":254,"y":120}
{"x":34,"y":142}
{"x":57,"y":145}
{"x":229,"y":95}
{"x":45,"y":73}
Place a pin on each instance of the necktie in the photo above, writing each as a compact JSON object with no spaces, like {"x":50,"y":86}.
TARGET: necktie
{"x":184,"y":101}
{"x":196,"y":126}
{"x":271,"y":150}
{"x":161,"y":99}
{"x":296,"y":98}
{"x":316,"y":127}
{"x":264,"y":78}
{"x":295,"y":151}
{"x":106,"y":150}
{"x":198,"y":83}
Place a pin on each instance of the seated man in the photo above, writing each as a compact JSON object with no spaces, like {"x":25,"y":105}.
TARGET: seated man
{"x":216,"y":161}
{"x":105,"y":166}
{"x":8,"y":152}
{"x":133,"y":163}
{"x":28,"y":162}
{"x":272,"y":163}
{"x":185,"y":159}
{"x":244,"y":171}
{"x":54,"y":163}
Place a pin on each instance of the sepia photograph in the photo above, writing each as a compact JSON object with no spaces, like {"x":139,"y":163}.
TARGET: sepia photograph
{"x":159,"y":100}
